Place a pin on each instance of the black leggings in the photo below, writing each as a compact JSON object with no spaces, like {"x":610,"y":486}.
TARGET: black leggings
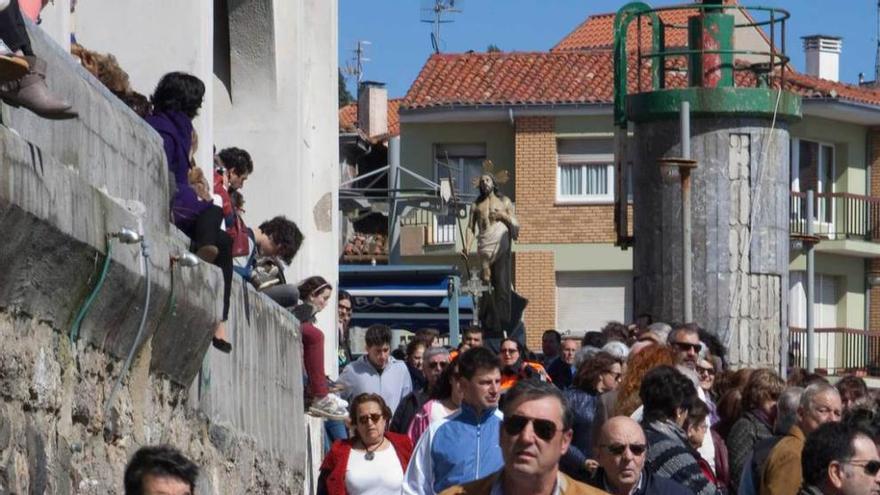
{"x":207,"y":232}
{"x":12,"y":29}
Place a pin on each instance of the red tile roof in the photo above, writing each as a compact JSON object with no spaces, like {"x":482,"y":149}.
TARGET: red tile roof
{"x":565,"y":77}
{"x":578,"y":70}
{"x":597,"y":32}
{"x":813,"y":87}
{"x":512,"y":78}
{"x":348,"y":117}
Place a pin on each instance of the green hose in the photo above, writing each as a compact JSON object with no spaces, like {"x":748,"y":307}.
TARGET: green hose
{"x":84,"y":309}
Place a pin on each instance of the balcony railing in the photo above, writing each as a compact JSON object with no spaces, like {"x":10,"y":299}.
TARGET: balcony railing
{"x":440,"y":229}
{"x":838,"y":350}
{"x":837,"y":216}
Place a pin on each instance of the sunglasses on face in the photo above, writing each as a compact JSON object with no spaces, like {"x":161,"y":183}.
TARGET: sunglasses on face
{"x":438,"y":364}
{"x":707,"y":371}
{"x":871,"y":467}
{"x":637,"y":449}
{"x":543,"y":428}
{"x":685,"y":346}
{"x":366,"y":418}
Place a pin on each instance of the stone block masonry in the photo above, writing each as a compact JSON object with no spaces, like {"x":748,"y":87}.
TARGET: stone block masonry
{"x":53,"y":436}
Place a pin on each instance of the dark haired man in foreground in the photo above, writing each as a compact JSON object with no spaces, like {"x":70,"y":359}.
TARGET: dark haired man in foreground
{"x":160,"y":470}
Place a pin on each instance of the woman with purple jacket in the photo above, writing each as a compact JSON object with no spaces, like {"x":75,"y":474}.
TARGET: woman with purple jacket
{"x":176,"y":101}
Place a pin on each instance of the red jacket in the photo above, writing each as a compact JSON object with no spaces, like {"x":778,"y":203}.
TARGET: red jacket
{"x":332,"y":478}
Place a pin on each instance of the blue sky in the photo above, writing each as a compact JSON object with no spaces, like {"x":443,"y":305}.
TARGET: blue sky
{"x":400,"y":44}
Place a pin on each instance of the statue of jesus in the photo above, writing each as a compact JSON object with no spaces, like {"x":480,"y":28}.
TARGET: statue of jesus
{"x":493,"y":223}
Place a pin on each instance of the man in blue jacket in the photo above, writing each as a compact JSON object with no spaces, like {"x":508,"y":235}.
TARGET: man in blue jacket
{"x":464,"y":446}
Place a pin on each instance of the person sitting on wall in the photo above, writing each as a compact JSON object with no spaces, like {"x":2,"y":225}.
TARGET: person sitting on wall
{"x":271,"y":247}
{"x":315,"y":292}
{"x":22,"y":73}
{"x":232,"y":167}
{"x":176,"y":102}
{"x":160,"y":469}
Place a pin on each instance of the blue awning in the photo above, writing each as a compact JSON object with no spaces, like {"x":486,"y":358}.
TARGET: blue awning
{"x":402,"y":296}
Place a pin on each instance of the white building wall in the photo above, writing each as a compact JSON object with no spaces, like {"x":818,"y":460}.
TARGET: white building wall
{"x":279,"y":101}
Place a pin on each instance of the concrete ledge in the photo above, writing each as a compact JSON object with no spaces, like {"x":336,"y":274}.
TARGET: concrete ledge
{"x":109,"y":145}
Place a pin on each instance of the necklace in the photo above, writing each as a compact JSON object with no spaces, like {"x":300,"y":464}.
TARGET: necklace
{"x":369,"y":456}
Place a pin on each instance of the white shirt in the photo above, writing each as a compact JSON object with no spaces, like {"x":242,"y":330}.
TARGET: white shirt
{"x":381,"y":476}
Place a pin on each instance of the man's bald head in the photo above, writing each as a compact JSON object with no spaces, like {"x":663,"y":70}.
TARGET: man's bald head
{"x":620,"y":425}
{"x":621,"y":452}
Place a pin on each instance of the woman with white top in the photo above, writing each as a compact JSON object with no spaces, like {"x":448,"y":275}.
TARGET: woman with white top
{"x":373,"y":460}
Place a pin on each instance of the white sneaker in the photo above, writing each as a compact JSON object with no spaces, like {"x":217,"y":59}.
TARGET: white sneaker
{"x":328,"y":408}
{"x":339,"y":400}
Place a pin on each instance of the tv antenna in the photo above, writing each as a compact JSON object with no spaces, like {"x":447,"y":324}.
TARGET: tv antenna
{"x":438,"y":12}
{"x":355,"y":67}
{"x":877,"y":56}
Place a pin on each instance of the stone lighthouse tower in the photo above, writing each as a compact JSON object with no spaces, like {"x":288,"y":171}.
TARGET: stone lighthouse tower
{"x":709,"y":146}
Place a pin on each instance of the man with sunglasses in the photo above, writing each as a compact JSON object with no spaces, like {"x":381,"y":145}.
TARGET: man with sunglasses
{"x":463,"y":446}
{"x":840,"y":459}
{"x":685,"y":341}
{"x":434,"y":361}
{"x":621,"y":448}
{"x":535,"y":433}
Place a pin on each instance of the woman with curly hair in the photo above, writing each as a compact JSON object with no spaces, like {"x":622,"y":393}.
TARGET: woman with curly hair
{"x":176,"y":102}
{"x":637,"y":367}
{"x":595,"y":376}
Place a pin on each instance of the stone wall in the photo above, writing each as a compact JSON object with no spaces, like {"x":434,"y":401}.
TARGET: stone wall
{"x":740,"y":232}
{"x":55,"y":439}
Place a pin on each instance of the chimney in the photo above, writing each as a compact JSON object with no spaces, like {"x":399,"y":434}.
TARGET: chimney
{"x":373,"y":108}
{"x":823,"y":56}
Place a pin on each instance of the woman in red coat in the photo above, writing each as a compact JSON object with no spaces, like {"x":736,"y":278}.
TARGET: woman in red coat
{"x":373,"y":461}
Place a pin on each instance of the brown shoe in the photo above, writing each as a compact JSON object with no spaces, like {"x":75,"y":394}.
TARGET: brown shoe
{"x":12,"y":68}
{"x":31,"y":92}
{"x":208,"y":253}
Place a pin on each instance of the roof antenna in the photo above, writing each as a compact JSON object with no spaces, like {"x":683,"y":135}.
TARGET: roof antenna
{"x":355,"y":66}
{"x":877,"y":56}
{"x":436,"y":12}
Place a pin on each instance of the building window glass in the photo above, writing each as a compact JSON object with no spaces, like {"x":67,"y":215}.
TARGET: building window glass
{"x":812,"y":168}
{"x":585,"y":171}
{"x":463,"y":163}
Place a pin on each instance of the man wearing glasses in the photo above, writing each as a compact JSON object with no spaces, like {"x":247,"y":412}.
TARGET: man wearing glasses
{"x":621,"y":455}
{"x":840,"y":459}
{"x":820,"y":404}
{"x":685,"y":341}
{"x":434,"y":361}
{"x":535,"y":433}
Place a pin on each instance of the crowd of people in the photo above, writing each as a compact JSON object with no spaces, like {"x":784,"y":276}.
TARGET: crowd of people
{"x":629,"y":410}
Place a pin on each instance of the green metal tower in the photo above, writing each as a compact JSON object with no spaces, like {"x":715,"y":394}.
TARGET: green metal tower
{"x":705,"y":127}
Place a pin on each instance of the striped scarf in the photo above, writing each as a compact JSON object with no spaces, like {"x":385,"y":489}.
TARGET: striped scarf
{"x":670,"y":456}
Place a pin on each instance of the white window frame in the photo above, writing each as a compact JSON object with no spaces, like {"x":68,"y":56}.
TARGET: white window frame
{"x":795,"y":165}
{"x":585,"y":160}
{"x":821,"y":209}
